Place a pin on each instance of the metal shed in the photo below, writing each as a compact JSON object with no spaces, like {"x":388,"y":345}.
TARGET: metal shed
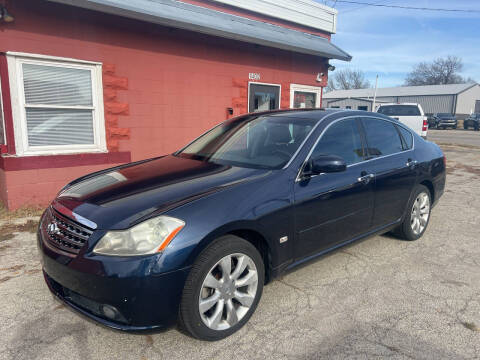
{"x":460,"y":99}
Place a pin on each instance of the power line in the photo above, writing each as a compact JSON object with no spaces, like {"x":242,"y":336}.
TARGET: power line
{"x":407,"y":7}
{"x":361,"y":7}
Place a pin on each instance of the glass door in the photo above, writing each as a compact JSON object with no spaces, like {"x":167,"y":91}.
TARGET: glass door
{"x":304,"y":96}
{"x":263,"y":97}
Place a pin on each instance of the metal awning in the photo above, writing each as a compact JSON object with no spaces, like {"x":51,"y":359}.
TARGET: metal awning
{"x":207,"y":21}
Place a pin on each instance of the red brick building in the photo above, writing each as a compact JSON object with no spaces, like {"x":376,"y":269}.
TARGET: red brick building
{"x":103,"y":82}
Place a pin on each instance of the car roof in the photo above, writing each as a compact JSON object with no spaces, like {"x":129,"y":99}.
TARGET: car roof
{"x":320,"y":114}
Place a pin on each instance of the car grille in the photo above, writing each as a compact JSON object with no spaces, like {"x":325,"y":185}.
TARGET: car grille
{"x":67,"y":235}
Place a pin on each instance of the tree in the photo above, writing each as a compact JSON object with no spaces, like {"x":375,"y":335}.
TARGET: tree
{"x":439,"y":72}
{"x":347,"y":79}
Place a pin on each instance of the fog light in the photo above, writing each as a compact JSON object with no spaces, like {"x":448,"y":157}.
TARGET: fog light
{"x":109,"y":311}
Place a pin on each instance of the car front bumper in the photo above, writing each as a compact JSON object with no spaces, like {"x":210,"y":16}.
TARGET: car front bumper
{"x":133,"y":299}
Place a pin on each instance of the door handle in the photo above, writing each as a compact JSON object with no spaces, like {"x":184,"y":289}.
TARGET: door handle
{"x":411,"y":163}
{"x":365,"y":178}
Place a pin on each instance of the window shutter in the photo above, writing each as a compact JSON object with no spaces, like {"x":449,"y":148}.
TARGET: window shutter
{"x":58,"y":105}
{"x":49,"y":85}
{"x":47,"y":127}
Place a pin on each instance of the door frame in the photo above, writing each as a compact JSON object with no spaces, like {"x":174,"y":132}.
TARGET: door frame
{"x":306,"y":88}
{"x":267,"y":84}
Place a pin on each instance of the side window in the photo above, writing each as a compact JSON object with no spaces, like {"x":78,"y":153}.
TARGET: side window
{"x":407,"y":137}
{"x":382,"y":137}
{"x":342,"y":139}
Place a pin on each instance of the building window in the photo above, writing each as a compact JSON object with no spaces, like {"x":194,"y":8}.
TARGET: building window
{"x":363,"y":108}
{"x":57,"y":105}
{"x":304,"y":96}
{"x":263,"y":97}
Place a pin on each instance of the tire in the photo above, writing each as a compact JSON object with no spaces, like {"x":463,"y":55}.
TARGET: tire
{"x":406,"y":229}
{"x":206,"y":325}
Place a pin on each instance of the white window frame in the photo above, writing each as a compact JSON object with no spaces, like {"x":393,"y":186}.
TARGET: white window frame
{"x":15,"y":73}
{"x":2,"y":116}
{"x":305,"y":88}
{"x":268,"y":84}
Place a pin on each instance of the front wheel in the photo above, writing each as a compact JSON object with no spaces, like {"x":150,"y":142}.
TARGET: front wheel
{"x":222,"y":290}
{"x":417,"y":216}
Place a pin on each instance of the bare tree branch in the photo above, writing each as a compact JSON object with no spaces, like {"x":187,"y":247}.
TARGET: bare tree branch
{"x":439,"y":72}
{"x":347,"y":79}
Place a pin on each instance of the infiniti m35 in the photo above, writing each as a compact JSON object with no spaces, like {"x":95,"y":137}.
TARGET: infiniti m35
{"x":192,"y":237}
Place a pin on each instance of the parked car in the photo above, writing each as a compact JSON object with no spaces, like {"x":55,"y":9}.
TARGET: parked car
{"x":473,"y":121}
{"x":430,"y":120}
{"x":195,"y":235}
{"x":445,"y":120}
{"x":408,"y":114}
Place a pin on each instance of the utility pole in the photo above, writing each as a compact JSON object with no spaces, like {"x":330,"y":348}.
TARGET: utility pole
{"x":375,"y":94}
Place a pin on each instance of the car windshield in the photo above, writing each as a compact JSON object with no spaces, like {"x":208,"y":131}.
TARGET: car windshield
{"x":445,"y":115}
{"x":399,"y":110}
{"x":262,"y":142}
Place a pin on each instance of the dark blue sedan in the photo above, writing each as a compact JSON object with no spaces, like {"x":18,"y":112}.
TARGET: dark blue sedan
{"x":194,"y":236}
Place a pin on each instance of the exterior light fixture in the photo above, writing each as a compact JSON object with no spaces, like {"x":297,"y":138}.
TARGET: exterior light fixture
{"x":5,"y":15}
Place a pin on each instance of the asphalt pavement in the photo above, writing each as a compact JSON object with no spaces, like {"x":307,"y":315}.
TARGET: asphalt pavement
{"x":455,"y":137}
{"x":379,"y":298}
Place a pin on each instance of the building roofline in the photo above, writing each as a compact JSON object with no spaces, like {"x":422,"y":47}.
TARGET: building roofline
{"x":473,"y":85}
{"x":397,"y":91}
{"x":211,"y":22}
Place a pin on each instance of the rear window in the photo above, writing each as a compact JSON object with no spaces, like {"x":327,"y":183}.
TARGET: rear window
{"x":399,"y":110}
{"x":382,"y":137}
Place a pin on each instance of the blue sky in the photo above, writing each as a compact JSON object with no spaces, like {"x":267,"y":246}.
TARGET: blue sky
{"x":389,"y":42}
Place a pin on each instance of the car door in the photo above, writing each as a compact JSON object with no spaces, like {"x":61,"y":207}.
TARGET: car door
{"x":332,"y":208}
{"x":392,"y":161}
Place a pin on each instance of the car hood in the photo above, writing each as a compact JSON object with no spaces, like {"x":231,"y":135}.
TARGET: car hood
{"x":120,"y":197}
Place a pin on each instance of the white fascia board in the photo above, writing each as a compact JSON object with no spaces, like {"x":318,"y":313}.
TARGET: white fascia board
{"x":304,"y":12}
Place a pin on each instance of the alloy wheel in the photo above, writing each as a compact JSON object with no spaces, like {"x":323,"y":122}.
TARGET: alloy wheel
{"x":420,"y":213}
{"x":228,"y":291}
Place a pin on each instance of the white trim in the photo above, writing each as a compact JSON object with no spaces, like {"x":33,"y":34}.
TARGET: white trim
{"x":50,"y":58}
{"x":267,"y":84}
{"x":317,"y":90}
{"x":304,"y":12}
{"x":15,"y":61}
{"x":2,"y":116}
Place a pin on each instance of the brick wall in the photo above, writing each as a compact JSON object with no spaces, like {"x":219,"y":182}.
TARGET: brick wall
{"x":162,"y":86}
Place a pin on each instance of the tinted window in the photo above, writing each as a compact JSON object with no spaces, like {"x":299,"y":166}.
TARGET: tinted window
{"x":399,"y":110}
{"x":444,"y":115}
{"x":266,"y":142}
{"x":342,"y":139}
{"x":382,"y":137}
{"x":407,"y":137}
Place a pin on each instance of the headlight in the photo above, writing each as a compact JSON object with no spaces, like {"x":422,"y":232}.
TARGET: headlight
{"x":148,"y":237}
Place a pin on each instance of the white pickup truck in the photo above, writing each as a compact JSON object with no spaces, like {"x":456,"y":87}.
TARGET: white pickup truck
{"x":409,"y":114}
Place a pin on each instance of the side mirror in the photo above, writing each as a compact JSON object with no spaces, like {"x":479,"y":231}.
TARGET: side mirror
{"x":324,"y":164}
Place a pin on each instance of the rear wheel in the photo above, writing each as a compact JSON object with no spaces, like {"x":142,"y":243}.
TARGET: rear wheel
{"x":222,"y":290}
{"x":418,"y":215}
